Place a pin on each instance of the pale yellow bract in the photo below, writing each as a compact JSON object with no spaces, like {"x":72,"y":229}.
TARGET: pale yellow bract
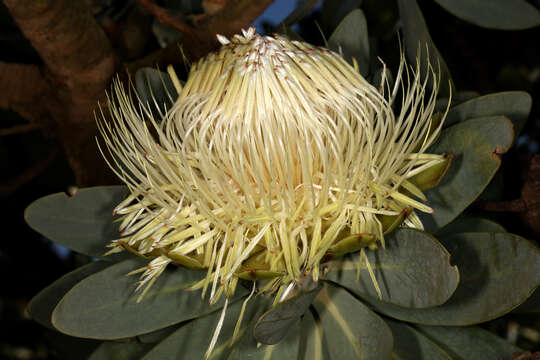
{"x":274,"y":149}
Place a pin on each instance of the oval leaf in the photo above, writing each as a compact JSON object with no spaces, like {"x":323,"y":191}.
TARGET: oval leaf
{"x":469,"y":224}
{"x":457,"y":98}
{"x":409,"y":344}
{"x":351,"y":37}
{"x":416,"y":37}
{"x":312,"y":344}
{"x":191,"y":341}
{"x":103,"y":306}
{"x":516,"y":105}
{"x":42,"y":305}
{"x":494,"y":14}
{"x":413,"y":271}
{"x":476,"y":145}
{"x":83,"y":222}
{"x":273,"y":326}
{"x":126,"y":350}
{"x":350,"y":328}
{"x":469,"y":343}
{"x":333,"y":11}
{"x":158,"y":335}
{"x":489,"y":264}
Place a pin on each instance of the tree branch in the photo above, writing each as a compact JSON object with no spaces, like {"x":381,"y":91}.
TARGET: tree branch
{"x":79,"y":63}
{"x":236,"y":15}
{"x":72,"y":45}
{"x":23,"y":89}
{"x":20,"y":129}
{"x":165,"y":17}
{"x":517,"y":205}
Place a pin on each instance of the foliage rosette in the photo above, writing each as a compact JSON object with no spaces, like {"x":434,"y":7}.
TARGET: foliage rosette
{"x":296,"y":197}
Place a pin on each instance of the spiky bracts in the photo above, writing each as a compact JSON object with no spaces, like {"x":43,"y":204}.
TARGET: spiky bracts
{"x":273,"y":153}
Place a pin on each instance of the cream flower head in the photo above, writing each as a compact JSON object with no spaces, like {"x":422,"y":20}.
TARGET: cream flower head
{"x":275,"y":156}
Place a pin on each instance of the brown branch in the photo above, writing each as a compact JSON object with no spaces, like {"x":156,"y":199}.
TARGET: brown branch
{"x":72,"y":45}
{"x":23,"y":87}
{"x":517,"y":205}
{"x":20,"y":180}
{"x":79,"y":63}
{"x":20,"y":129}
{"x":526,"y":356}
{"x":236,"y":15}
{"x":165,"y":17}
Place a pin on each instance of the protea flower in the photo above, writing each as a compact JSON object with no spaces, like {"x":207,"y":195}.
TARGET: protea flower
{"x":276,"y":156}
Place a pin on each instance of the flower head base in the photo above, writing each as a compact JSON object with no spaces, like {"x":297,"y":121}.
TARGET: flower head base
{"x":275,"y":156}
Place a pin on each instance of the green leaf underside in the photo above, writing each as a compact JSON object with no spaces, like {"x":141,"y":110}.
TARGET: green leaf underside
{"x":42,"y":305}
{"x":158,"y":335}
{"x":333,"y":12}
{"x":476,"y":145}
{"x":469,"y":343}
{"x":83,"y":222}
{"x":350,"y":328}
{"x":494,"y":14}
{"x":126,"y":350}
{"x":465,"y":224}
{"x":410,"y":344}
{"x":191,"y":340}
{"x":103,"y":306}
{"x":274,"y":324}
{"x":313,"y":344}
{"x":413,"y":271}
{"x":416,"y":38}
{"x":516,"y":105}
{"x":351,"y":36}
{"x":457,"y":98}
{"x":489,"y":264}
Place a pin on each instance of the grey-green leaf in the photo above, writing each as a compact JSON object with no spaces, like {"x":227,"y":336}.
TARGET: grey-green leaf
{"x":469,"y":343}
{"x":476,"y":145}
{"x":410,"y":344}
{"x":413,"y":271}
{"x":470,"y":224}
{"x":42,"y":305}
{"x":416,"y":37}
{"x":350,"y":328}
{"x":158,"y":335}
{"x":494,"y":14}
{"x":83,"y":222}
{"x":273,"y":326}
{"x":191,"y":341}
{"x":351,"y":37}
{"x":489,"y":264}
{"x":156,"y":90}
{"x":457,"y":98}
{"x":116,"y":350}
{"x":103,"y":306}
{"x":516,"y":105}
{"x":333,"y":11}
{"x":313,"y":344}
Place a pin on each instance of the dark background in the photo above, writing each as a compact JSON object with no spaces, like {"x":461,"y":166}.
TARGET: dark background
{"x":481,"y":60}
